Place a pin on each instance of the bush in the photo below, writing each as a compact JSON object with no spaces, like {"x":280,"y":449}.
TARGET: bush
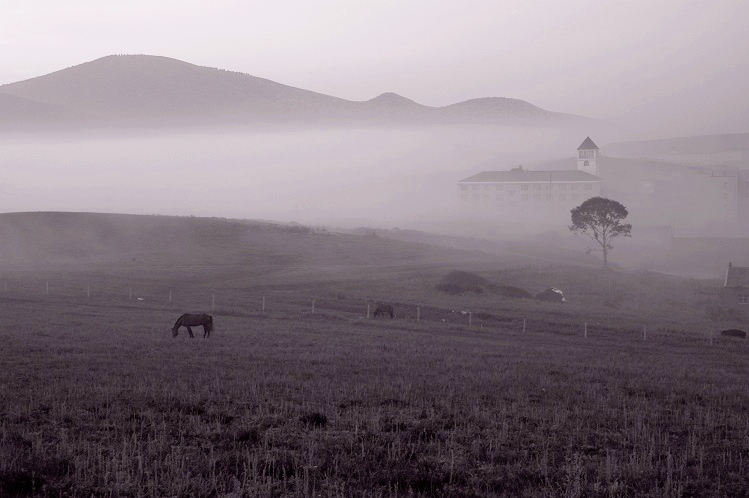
{"x":460,"y":282}
{"x":550,"y":295}
{"x":512,"y":292}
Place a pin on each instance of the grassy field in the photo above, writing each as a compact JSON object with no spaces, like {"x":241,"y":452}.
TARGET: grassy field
{"x":97,"y":399}
{"x":625,"y":390}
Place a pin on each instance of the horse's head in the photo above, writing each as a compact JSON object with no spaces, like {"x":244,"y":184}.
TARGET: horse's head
{"x":174,"y":331}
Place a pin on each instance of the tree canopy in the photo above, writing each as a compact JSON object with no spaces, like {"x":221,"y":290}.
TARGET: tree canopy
{"x":601,"y":220}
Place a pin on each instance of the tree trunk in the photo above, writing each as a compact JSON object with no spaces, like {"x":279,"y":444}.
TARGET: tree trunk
{"x":605,"y":256}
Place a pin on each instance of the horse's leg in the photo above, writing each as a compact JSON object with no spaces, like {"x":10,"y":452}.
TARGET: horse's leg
{"x":206,"y":331}
{"x":189,"y":330}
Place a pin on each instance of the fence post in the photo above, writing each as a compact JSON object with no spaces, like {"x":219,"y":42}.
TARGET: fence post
{"x":131,"y":293}
{"x":88,"y":291}
{"x":644,"y":332}
{"x":263,"y":303}
{"x":418,"y":313}
{"x":585,"y":330}
{"x":367,"y":311}
{"x":47,"y":289}
{"x":170,"y":296}
{"x":711,"y":336}
{"x":523,"y":325}
{"x":213,"y":302}
{"x":470,"y":315}
{"x":313,"y":306}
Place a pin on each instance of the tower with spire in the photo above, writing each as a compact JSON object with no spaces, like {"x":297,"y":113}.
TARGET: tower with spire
{"x":587,"y":157}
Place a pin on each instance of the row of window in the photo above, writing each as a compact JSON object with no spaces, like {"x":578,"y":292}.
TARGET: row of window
{"x":523,"y":197}
{"x":586,"y":154}
{"x":529,"y":186}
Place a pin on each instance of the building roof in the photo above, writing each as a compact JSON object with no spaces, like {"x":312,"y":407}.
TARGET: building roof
{"x":518,"y":175}
{"x":737,"y":276}
{"x":587,"y":144}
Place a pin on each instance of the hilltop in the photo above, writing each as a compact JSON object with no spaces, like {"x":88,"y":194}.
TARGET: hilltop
{"x":144,"y":90}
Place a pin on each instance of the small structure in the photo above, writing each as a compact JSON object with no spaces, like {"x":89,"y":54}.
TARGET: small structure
{"x":735,"y":292}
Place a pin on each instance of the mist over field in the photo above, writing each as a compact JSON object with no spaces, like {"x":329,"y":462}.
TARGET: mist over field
{"x":386,"y":177}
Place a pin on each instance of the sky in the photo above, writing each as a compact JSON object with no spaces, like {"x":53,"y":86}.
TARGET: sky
{"x":672,"y":61}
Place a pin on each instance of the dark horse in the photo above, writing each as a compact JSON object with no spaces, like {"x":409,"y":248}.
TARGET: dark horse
{"x":193,"y":320}
{"x":384,"y":309}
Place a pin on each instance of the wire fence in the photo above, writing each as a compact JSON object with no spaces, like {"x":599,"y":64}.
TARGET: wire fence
{"x":101,"y":290}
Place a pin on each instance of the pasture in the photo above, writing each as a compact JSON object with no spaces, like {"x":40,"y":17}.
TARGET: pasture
{"x":98,"y":399}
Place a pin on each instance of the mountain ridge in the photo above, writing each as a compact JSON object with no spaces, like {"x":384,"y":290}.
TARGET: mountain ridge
{"x":147,"y":90}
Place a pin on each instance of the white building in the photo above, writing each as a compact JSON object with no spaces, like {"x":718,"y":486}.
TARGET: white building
{"x":534,"y":195}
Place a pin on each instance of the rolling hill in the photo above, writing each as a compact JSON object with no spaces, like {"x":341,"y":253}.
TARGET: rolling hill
{"x":129,"y":242}
{"x":142,"y":90}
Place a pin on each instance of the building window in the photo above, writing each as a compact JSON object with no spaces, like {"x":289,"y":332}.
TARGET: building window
{"x":524,"y":197}
{"x":537,"y":197}
{"x":562,"y":197}
{"x":476,"y":197}
{"x":586,"y":163}
{"x":562,"y":187}
{"x":574,"y":197}
{"x":743,"y":299}
{"x":487,"y":187}
{"x":524,"y":187}
{"x":537,"y":187}
{"x":511,"y":193}
{"x":463,"y":197}
{"x":474,"y":187}
{"x":574,"y":187}
{"x":499,"y":187}
{"x":548,"y":187}
{"x":464,"y":187}
{"x":588,"y":187}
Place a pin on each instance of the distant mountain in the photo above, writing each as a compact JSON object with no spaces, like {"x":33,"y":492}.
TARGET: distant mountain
{"x":23,"y":111}
{"x":141,"y":90}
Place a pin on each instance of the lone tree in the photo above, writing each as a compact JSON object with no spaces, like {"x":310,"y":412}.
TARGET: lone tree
{"x":601,"y":220}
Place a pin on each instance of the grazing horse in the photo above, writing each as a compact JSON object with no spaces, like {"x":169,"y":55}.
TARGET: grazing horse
{"x":192,"y":320}
{"x":384,"y":309}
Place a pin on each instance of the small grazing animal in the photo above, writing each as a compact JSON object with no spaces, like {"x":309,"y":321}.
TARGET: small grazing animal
{"x":384,"y":309}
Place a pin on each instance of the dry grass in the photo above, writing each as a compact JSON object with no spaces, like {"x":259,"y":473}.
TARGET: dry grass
{"x":97,"y":399}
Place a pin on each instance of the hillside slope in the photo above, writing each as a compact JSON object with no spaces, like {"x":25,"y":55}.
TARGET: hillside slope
{"x":90,"y":239}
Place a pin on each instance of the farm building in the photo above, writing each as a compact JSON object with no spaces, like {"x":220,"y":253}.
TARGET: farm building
{"x":706,"y":195}
{"x":523,"y":194}
{"x":735,"y":292}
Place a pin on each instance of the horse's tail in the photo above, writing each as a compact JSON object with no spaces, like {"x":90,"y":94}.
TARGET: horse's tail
{"x":210,"y":324}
